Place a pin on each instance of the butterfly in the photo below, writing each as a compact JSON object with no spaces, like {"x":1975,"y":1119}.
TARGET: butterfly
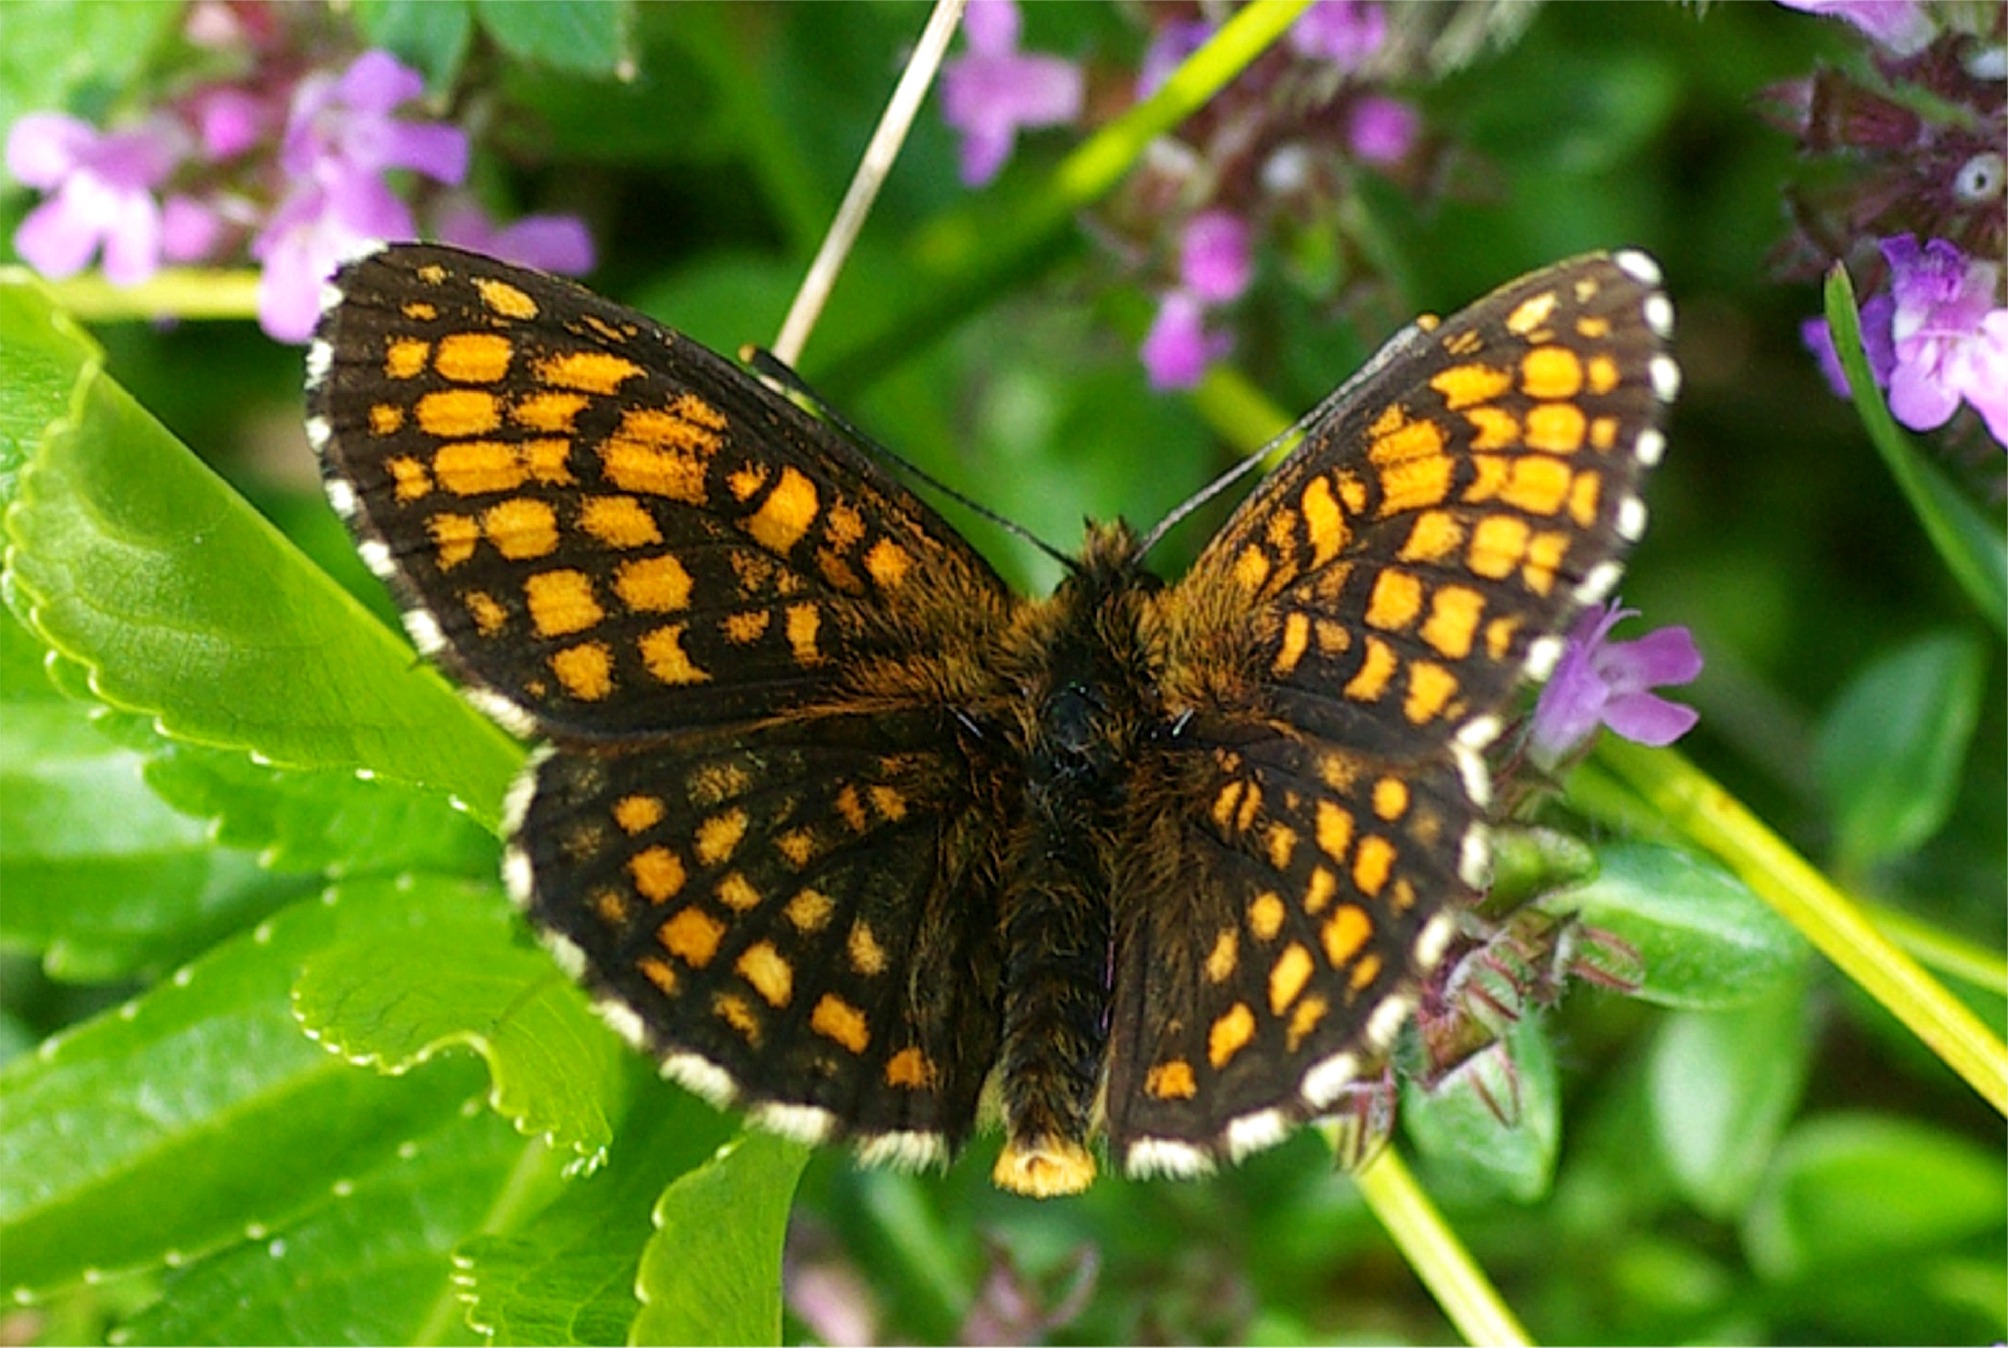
{"x":850,"y":836}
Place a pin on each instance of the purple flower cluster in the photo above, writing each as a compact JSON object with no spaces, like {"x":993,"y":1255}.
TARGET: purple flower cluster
{"x":1603,"y":682}
{"x":1936,"y":338}
{"x":296,"y":173}
{"x":1269,"y":151}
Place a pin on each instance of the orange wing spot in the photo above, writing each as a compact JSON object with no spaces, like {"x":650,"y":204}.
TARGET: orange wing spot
{"x":1433,"y":537}
{"x":843,"y":526}
{"x":1604,"y":375}
{"x":1282,"y":845}
{"x":1265,"y":915}
{"x":659,"y":973}
{"x":405,"y":357}
{"x":1371,"y":864}
{"x":669,"y":428}
{"x":1457,"y":343}
{"x":1544,"y":558}
{"x":798,"y":845}
{"x":713,"y":782}
{"x":1412,"y":440}
{"x":658,"y":874}
{"x":1404,"y":895}
{"x":1414,"y":483}
{"x":1499,"y":634}
{"x":1497,"y":545}
{"x":561,"y":603}
{"x":618,"y":522}
{"x":1391,"y":419}
{"x":1465,"y":386}
{"x":1229,"y":1035}
{"x":663,"y":654}
{"x":1296,"y":640}
{"x":733,"y":1010}
{"x":386,"y":419}
{"x":1225,"y":955}
{"x":473,"y":357}
{"x":418,"y":311}
{"x":1494,"y":428}
{"x":1556,"y":428}
{"x":1390,"y":800}
{"x":1396,"y":600}
{"x":851,"y":808}
{"x":634,"y":466}
{"x":838,"y":572}
{"x":889,"y":803}
{"x":785,"y":515}
{"x":698,"y":412}
{"x":1287,"y":978}
{"x":1365,"y":972}
{"x":1283,"y":531}
{"x":1324,"y":520}
{"x":736,"y":892}
{"x":503,"y":299}
{"x":1454,"y":611}
{"x":410,"y":481}
{"x":586,"y":371}
{"x":586,"y":670}
{"x":887,"y":563}
{"x":1583,"y":493}
{"x":1603,"y":434}
{"x":746,"y":479}
{"x":1488,"y":476}
{"x":1593,"y":327}
{"x":743,"y":629}
{"x":1227,"y":802}
{"x":652,"y":584}
{"x":1430,"y":688}
{"x":1171,"y":1081}
{"x":1551,"y":372}
{"x":836,"y":1019}
{"x":866,"y":954}
{"x":1319,"y":892}
{"x":1305,"y":1019}
{"x":551,"y":412}
{"x":692,"y":936}
{"x":909,"y":1069}
{"x":1251,"y":568}
{"x":1344,"y":933}
{"x":718,"y":837}
{"x":1333,"y":637}
{"x":453,"y":538}
{"x":809,"y":910}
{"x":1251,"y":801}
{"x":1531,"y":313}
{"x":489,"y":616}
{"x":1375,"y":671}
{"x":521,"y":528}
{"x":771,"y":975}
{"x":479,"y":467}
{"x":1352,"y":492}
{"x":637,"y":814}
{"x":801,"y":622}
{"x":455,"y":413}
{"x":432,"y":273}
{"x":549,"y":461}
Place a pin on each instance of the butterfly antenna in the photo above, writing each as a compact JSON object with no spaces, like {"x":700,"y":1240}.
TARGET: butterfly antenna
{"x":1233,"y":475}
{"x":770,"y":367}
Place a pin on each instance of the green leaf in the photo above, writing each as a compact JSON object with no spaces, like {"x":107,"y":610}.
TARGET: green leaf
{"x":1970,"y":543}
{"x":1465,"y":1140}
{"x":158,"y":1130}
{"x":568,"y":1276}
{"x":712,"y":1271}
{"x":1890,"y":748}
{"x":1707,"y":942}
{"x":432,"y":35}
{"x":427,"y":963}
{"x":133,"y":558}
{"x":586,"y":37}
{"x":1853,"y":1189}
{"x":76,"y":55}
{"x":1724,"y":1084}
{"x":369,"y":1261}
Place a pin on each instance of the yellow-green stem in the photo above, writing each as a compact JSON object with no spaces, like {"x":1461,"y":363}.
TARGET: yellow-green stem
{"x":1434,"y":1252}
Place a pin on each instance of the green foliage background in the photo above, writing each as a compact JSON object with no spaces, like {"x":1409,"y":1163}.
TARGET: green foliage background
{"x":456,"y":1149}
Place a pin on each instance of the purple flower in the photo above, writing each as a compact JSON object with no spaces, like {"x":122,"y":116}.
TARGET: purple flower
{"x":1382,"y":130}
{"x":1949,"y":335}
{"x":1875,"y":316}
{"x":1900,"y":25}
{"x":1599,"y":681}
{"x":312,"y":232}
{"x":1178,"y":348}
{"x":559,"y":243}
{"x":1344,"y":32}
{"x":1169,"y":46}
{"x":101,"y":187}
{"x":992,"y":89}
{"x":1213,"y":259}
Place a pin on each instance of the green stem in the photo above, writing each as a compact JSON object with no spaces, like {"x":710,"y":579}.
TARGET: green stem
{"x":1718,"y":822}
{"x":1434,"y":1252}
{"x":174,"y":292}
